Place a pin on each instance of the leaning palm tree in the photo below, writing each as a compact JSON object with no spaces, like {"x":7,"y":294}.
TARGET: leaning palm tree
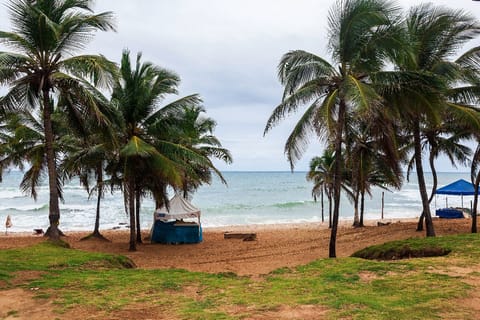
{"x":361,"y":36}
{"x":46,"y":34}
{"x":432,"y":36}
{"x":446,"y":138}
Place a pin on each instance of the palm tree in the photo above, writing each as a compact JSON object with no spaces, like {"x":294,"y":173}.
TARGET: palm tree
{"x":46,"y":34}
{"x":475,"y":178}
{"x":371,"y":158}
{"x":446,"y":139}
{"x":90,"y":150}
{"x":148,"y":161}
{"x":195,"y":132}
{"x":361,"y":36}
{"x":321,"y":174}
{"x":432,"y":35}
{"x":22,"y":145}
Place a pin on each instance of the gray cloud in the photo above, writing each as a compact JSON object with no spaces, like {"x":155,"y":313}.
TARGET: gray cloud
{"x":227,"y":51}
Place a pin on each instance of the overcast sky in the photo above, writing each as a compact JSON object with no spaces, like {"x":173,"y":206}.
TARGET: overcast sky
{"x":228,"y":51}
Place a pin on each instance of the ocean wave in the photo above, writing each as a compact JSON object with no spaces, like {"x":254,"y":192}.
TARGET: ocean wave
{"x":11,"y":194}
{"x":25,"y":208}
{"x":259,"y":206}
{"x":77,"y":207}
{"x":292,"y":204}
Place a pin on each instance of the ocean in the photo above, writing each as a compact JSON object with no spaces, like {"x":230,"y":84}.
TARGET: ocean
{"x":249,"y":198}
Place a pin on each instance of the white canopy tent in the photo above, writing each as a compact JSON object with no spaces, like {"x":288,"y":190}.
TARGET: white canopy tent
{"x":167,"y":227}
{"x":179,"y":208}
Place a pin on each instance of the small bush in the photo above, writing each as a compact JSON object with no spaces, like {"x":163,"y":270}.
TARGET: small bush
{"x":400,"y":250}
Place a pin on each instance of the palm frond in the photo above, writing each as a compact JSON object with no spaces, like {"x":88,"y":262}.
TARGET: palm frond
{"x":98,"y":69}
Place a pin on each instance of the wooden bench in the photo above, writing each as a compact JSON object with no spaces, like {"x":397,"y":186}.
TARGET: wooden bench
{"x":237,"y":235}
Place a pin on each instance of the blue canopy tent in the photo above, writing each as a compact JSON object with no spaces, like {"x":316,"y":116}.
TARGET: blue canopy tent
{"x":457,"y":188}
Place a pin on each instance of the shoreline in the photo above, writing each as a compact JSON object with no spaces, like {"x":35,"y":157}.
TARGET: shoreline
{"x":342,"y":223}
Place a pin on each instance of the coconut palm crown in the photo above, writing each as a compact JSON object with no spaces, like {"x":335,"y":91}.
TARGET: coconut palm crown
{"x":45,"y":36}
{"x":361,"y":36}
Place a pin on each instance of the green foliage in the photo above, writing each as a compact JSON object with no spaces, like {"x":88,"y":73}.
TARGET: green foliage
{"x":48,"y":256}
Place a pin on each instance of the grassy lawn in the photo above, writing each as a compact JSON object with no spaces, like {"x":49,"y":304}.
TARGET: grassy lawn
{"x":350,"y":288}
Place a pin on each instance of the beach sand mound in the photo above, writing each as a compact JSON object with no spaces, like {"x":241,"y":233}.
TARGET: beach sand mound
{"x":400,"y":252}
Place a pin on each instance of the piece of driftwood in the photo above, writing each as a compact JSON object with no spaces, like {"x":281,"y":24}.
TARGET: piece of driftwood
{"x":237,"y":235}
{"x":380,"y":224}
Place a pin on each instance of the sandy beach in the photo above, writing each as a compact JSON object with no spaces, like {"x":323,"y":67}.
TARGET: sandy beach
{"x":276,"y":246}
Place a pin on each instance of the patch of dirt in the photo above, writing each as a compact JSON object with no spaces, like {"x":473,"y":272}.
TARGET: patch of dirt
{"x":25,"y":276}
{"x":470,"y":276}
{"x":20,"y":304}
{"x":367,"y":276}
{"x":135,"y":311}
{"x":304,"y":312}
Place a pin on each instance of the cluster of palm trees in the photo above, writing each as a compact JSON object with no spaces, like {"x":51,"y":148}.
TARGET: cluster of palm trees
{"x":398,"y":88}
{"x":56,"y":119}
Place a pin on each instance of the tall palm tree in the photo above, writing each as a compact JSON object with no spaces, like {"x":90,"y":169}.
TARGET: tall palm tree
{"x":432,"y":36}
{"x":148,"y":161}
{"x":46,"y":34}
{"x":361,"y":36}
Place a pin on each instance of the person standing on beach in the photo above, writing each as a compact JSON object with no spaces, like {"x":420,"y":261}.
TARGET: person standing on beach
{"x":8,"y":224}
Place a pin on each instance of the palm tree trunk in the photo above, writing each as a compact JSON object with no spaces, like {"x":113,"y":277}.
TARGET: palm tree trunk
{"x":137,"y":214}
{"x":337,"y":178}
{"x":430,"y":232}
{"x":431,"y":160}
{"x":323,"y":213}
{"x":475,"y":204}
{"x":356,"y":218}
{"x":330,"y":211}
{"x":53,"y":231}
{"x":131,"y":209}
{"x":420,"y":222}
{"x":362,"y":208}
{"x":96,"y":230}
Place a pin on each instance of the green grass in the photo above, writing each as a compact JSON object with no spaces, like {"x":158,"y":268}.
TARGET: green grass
{"x":350,"y":288}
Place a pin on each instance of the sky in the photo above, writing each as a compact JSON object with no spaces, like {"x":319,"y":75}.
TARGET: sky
{"x":228,"y":51}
